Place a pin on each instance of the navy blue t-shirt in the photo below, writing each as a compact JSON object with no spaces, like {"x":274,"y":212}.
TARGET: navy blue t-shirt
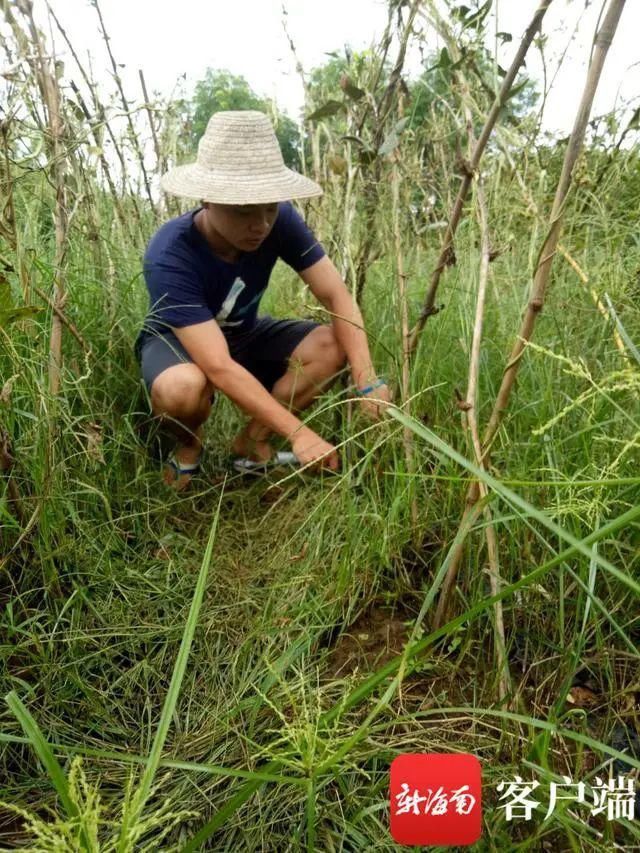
{"x":189,"y":284}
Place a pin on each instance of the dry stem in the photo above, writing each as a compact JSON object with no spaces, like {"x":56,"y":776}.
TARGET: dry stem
{"x":407,"y":434}
{"x":446,"y":251}
{"x":125,"y":106}
{"x":471,"y":412}
{"x":52,"y":100}
{"x":603,"y":40}
{"x":575,"y":266}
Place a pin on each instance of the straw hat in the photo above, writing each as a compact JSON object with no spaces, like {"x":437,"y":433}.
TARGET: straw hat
{"x":239,"y":162}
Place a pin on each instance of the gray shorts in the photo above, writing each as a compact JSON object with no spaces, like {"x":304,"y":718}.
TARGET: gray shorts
{"x":263,"y":350}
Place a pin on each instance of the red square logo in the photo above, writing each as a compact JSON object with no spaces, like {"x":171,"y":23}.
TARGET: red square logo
{"x":436,"y":799}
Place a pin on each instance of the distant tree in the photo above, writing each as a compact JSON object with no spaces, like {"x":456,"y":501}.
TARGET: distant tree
{"x":221,"y":90}
{"x":356,"y":77}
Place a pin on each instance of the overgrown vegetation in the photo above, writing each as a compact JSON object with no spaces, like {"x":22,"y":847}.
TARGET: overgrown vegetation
{"x":235,"y":668}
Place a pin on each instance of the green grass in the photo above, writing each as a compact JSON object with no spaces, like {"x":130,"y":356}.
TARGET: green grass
{"x":255,"y":743}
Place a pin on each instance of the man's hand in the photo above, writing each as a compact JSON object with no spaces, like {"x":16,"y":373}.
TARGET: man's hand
{"x":310,"y":448}
{"x":327,"y":286}
{"x":374,"y":402}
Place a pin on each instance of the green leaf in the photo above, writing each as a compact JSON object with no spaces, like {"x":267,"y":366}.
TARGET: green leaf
{"x":77,"y":110}
{"x":171,"y":700}
{"x":10,"y":315}
{"x":355,"y":139}
{"x":6,"y":297}
{"x":517,"y":89}
{"x":476,"y":19}
{"x":367,"y":155}
{"x":460,"y":12}
{"x":445,"y":60}
{"x":390,"y":143}
{"x":512,"y":498}
{"x":633,"y":349}
{"x":175,"y":763}
{"x":634,"y":121}
{"x":42,"y":750}
{"x":393,"y":139}
{"x":326,"y":110}
{"x":352,"y":91}
{"x":48,"y":759}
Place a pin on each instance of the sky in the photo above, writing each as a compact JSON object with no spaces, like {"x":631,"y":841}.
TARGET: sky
{"x":247,"y":38}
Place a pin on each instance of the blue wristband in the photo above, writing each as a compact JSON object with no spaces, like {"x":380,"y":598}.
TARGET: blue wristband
{"x":362,"y":392}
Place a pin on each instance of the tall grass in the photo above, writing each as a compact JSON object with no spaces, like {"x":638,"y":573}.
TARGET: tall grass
{"x":257,"y":739}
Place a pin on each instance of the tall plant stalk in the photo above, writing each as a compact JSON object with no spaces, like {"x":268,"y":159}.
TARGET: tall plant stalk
{"x":446,"y":252}
{"x":575,"y":266}
{"x":602,"y":42}
{"x":311,"y":130}
{"x":471,"y":417}
{"x":97,"y":129}
{"x":127,"y":192}
{"x":407,"y":435}
{"x":8,"y":225}
{"x":52,"y":99}
{"x":133,"y":136}
{"x":470,"y":405}
{"x":383,"y":109}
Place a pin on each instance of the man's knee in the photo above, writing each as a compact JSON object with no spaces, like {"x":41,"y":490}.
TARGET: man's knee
{"x":180,"y":391}
{"x":329,"y":349}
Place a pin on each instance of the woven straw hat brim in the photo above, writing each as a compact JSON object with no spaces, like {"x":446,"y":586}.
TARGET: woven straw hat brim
{"x":192,"y":181}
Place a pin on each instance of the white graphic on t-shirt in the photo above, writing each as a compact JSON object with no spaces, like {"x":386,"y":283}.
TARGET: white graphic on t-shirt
{"x":229,"y":304}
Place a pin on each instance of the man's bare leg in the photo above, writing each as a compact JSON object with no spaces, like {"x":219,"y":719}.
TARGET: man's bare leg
{"x":314,"y":363}
{"x":181,"y":396}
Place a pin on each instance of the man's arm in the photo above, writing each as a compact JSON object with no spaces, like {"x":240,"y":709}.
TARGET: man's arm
{"x":208,"y":348}
{"x":326,"y":284}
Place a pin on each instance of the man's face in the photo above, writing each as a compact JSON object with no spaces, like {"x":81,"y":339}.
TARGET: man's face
{"x":243,"y":226}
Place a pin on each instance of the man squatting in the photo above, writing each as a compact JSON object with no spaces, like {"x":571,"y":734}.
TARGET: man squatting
{"x":206,"y":272}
